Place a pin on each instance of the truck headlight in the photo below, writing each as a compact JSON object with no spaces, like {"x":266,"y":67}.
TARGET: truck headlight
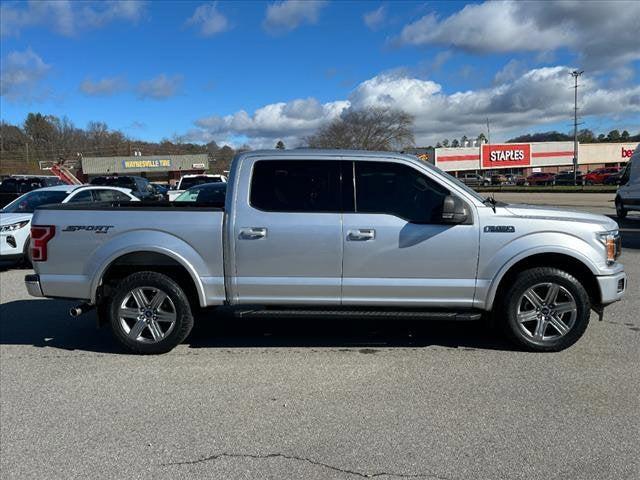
{"x":13,"y":226}
{"x":611,"y":242}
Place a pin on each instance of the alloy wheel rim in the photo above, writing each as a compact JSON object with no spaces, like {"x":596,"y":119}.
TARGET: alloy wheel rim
{"x":147,"y":315}
{"x":546,"y":312}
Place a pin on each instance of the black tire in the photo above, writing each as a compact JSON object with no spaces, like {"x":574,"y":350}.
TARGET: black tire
{"x":510,"y":303}
{"x":103,"y":312}
{"x":178,"y":303}
{"x":621,"y":212}
{"x":27,"y":262}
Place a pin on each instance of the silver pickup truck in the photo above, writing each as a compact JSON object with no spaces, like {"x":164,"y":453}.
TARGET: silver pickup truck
{"x":312,"y":232}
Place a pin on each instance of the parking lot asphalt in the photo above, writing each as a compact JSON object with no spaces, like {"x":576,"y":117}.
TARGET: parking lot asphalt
{"x":319,"y":399}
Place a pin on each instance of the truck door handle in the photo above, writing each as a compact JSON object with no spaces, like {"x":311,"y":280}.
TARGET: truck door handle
{"x":253,"y":233}
{"x":361,"y":235}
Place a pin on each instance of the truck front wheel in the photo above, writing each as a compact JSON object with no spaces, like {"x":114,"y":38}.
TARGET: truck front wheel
{"x":545,"y":309}
{"x":149,"y":313}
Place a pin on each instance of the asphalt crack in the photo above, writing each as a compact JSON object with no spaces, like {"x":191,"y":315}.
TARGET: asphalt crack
{"x":218,"y":456}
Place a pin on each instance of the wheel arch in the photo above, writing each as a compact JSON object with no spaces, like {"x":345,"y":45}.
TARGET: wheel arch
{"x":154,"y":259}
{"x":563,"y":261}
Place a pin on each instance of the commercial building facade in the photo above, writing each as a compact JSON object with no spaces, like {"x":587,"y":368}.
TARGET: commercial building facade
{"x":161,"y":168}
{"x":526,"y":158}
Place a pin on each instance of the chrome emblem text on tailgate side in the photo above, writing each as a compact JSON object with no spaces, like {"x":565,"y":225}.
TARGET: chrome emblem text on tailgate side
{"x":88,"y":228}
{"x":499,"y":229}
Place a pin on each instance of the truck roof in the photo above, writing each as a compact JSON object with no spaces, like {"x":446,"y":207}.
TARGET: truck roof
{"x":321,"y":154}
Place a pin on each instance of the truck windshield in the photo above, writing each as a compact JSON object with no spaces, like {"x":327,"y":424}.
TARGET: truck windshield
{"x":28,"y":202}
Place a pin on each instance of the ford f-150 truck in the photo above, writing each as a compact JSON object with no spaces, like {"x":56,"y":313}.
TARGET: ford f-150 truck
{"x":311,"y":233}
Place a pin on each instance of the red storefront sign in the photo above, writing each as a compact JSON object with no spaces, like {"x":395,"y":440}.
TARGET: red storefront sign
{"x":627,"y":153}
{"x":506,"y":155}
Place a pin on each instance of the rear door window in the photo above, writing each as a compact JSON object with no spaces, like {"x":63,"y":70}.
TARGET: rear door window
{"x":110,"y":196}
{"x":83,"y":196}
{"x":296,"y":186}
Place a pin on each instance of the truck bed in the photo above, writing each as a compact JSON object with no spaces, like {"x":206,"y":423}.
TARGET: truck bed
{"x":89,"y":237}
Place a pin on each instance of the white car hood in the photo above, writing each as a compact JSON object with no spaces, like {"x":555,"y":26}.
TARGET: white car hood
{"x":559,"y":214}
{"x":9,"y":218}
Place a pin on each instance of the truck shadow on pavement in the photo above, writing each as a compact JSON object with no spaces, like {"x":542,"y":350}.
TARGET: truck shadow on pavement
{"x":46,"y":323}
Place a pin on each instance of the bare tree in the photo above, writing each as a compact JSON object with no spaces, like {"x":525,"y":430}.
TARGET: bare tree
{"x":373,"y":128}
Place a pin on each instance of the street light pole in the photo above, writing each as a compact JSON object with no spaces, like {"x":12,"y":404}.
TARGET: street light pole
{"x":575,"y":74}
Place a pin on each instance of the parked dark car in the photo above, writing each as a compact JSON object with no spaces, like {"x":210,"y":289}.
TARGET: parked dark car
{"x":566,"y":178}
{"x":12,"y":187}
{"x":139,"y":186}
{"x":161,"y":191}
{"x":541,"y":178}
{"x":206,"y":193}
{"x":613,"y":179}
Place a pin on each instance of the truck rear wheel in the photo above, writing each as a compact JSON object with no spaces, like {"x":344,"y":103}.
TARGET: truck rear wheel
{"x":545,"y":310}
{"x":149,"y":313}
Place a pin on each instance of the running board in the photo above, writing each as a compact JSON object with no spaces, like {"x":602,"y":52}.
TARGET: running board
{"x":404,"y":314}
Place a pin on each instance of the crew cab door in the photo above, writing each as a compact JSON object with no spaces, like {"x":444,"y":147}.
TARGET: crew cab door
{"x":397,"y":251}
{"x":287,"y":232}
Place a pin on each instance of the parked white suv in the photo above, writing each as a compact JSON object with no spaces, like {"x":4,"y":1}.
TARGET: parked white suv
{"x":15,"y":218}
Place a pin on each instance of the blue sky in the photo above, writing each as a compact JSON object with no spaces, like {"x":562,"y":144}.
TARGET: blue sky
{"x":256,"y":72}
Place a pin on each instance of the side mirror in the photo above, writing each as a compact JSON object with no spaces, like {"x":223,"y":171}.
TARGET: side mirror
{"x":454,"y":210}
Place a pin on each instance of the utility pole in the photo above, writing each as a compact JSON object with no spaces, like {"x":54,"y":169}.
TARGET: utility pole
{"x":575,"y":74}
{"x":488,"y":132}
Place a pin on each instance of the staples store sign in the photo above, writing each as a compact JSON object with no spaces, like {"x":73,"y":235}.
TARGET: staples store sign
{"x":506,"y":155}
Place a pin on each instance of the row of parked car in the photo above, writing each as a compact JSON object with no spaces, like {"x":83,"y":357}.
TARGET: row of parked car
{"x":600,"y":176}
{"x":15,"y":216}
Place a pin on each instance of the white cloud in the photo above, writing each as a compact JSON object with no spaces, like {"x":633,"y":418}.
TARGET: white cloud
{"x":537,"y":97}
{"x":288,"y":121}
{"x":21,"y":75}
{"x":602,"y":33}
{"x":375,"y":18}
{"x":288,"y":15}
{"x":103,"y":87}
{"x":209,"y":20}
{"x":66,"y":17}
{"x":160,"y":87}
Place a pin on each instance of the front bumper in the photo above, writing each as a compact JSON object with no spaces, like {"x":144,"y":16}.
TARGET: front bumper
{"x":32,"y":282}
{"x":612,"y":287}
